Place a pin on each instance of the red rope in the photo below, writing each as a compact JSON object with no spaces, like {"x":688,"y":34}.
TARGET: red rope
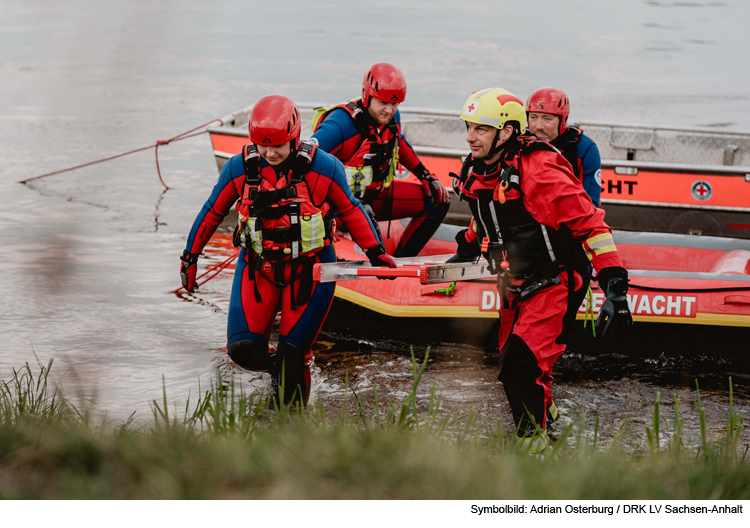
{"x":217,"y":268}
{"x":155,"y":146}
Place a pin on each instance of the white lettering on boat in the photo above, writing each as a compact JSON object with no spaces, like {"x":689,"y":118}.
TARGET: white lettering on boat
{"x":640,"y":304}
{"x":643,"y":304}
{"x":490,"y":300}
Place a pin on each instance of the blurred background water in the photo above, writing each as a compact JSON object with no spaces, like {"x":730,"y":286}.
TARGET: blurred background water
{"x":88,"y":256}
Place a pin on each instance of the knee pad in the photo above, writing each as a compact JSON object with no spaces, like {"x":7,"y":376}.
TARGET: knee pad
{"x":252,"y":355}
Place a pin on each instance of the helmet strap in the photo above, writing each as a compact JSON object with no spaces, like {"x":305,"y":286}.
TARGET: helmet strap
{"x":495,"y":147}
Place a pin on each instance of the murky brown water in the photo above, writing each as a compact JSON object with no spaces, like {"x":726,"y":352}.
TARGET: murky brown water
{"x":89,"y":256}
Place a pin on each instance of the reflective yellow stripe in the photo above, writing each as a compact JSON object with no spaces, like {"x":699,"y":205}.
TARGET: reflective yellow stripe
{"x":358,"y":178}
{"x":392,"y":168}
{"x":598,"y":238}
{"x":313,"y":232}
{"x":256,"y":236}
{"x":605,"y":249}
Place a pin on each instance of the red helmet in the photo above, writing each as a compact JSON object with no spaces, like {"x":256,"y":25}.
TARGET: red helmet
{"x":550,"y":100}
{"x":385,"y":83}
{"x":274,"y":121}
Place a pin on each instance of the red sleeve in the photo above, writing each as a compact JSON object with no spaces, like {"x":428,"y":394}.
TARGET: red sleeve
{"x":554,"y":198}
{"x":406,"y":154}
{"x":225,"y":193}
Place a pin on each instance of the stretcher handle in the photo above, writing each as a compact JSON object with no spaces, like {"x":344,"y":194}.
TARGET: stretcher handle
{"x":366,"y":271}
{"x":385,"y":271}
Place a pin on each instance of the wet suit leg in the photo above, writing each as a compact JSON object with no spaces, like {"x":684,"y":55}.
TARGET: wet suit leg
{"x":405,"y":199}
{"x":299,"y":328}
{"x":249,"y":322}
{"x":531,"y":340}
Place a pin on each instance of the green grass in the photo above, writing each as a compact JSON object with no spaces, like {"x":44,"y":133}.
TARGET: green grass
{"x":230,"y":444}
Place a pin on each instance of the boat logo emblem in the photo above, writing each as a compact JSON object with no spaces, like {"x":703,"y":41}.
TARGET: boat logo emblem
{"x":701,"y":190}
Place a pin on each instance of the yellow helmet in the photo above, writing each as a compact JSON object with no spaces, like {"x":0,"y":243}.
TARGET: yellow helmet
{"x":494,"y":107}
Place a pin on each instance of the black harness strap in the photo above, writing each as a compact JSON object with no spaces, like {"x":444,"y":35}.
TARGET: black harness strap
{"x":251,"y":159}
{"x":302,"y":162}
{"x":569,"y":143}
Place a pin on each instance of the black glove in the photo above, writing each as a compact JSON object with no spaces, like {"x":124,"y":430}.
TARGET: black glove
{"x":460,"y":257}
{"x":188,"y":269}
{"x":378,"y":258}
{"x":464,"y":246}
{"x":431,"y":186}
{"x":614,"y":315}
{"x":467,"y":251}
{"x":434,"y":189}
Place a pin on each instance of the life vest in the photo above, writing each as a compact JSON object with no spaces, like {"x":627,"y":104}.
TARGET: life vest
{"x":373,"y":166}
{"x":533,"y":250}
{"x":567,"y":143}
{"x":280,"y":221}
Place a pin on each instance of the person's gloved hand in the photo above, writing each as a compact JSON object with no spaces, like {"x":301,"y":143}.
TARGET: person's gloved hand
{"x":466,"y":251}
{"x":614,"y":315}
{"x":379,"y":258}
{"x":460,"y":257}
{"x":433,"y":188}
{"x":188,"y":269}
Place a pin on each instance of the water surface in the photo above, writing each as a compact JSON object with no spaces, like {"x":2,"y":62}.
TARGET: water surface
{"x":89,"y":256}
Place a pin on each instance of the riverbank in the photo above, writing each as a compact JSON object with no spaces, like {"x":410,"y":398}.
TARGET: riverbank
{"x":230,"y":444}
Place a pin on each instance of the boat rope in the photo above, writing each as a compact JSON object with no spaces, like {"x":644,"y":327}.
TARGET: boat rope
{"x":215,"y":268}
{"x":185,"y":135}
{"x":691,"y":290}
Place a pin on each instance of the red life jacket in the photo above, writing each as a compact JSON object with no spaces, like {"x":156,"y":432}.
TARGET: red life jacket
{"x":279,"y":221}
{"x":373,"y":165}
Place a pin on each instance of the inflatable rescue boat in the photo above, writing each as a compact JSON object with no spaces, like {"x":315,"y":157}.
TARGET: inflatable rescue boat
{"x":678,"y":279}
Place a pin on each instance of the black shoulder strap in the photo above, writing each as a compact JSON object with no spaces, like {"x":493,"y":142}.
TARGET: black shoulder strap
{"x":302,"y":161}
{"x":251,"y":159}
{"x":570,"y":139}
{"x":466,"y":182}
{"x":391,"y":145}
{"x":359,"y":116}
{"x":511,"y":175}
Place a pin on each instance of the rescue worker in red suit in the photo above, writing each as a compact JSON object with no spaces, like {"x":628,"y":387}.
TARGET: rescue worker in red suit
{"x":366,"y":136}
{"x":547,"y":111}
{"x":286,"y":194}
{"x":540,"y":231}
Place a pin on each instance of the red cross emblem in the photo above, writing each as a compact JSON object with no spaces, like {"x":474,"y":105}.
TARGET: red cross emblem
{"x":701,"y":190}
{"x":470,"y":108}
